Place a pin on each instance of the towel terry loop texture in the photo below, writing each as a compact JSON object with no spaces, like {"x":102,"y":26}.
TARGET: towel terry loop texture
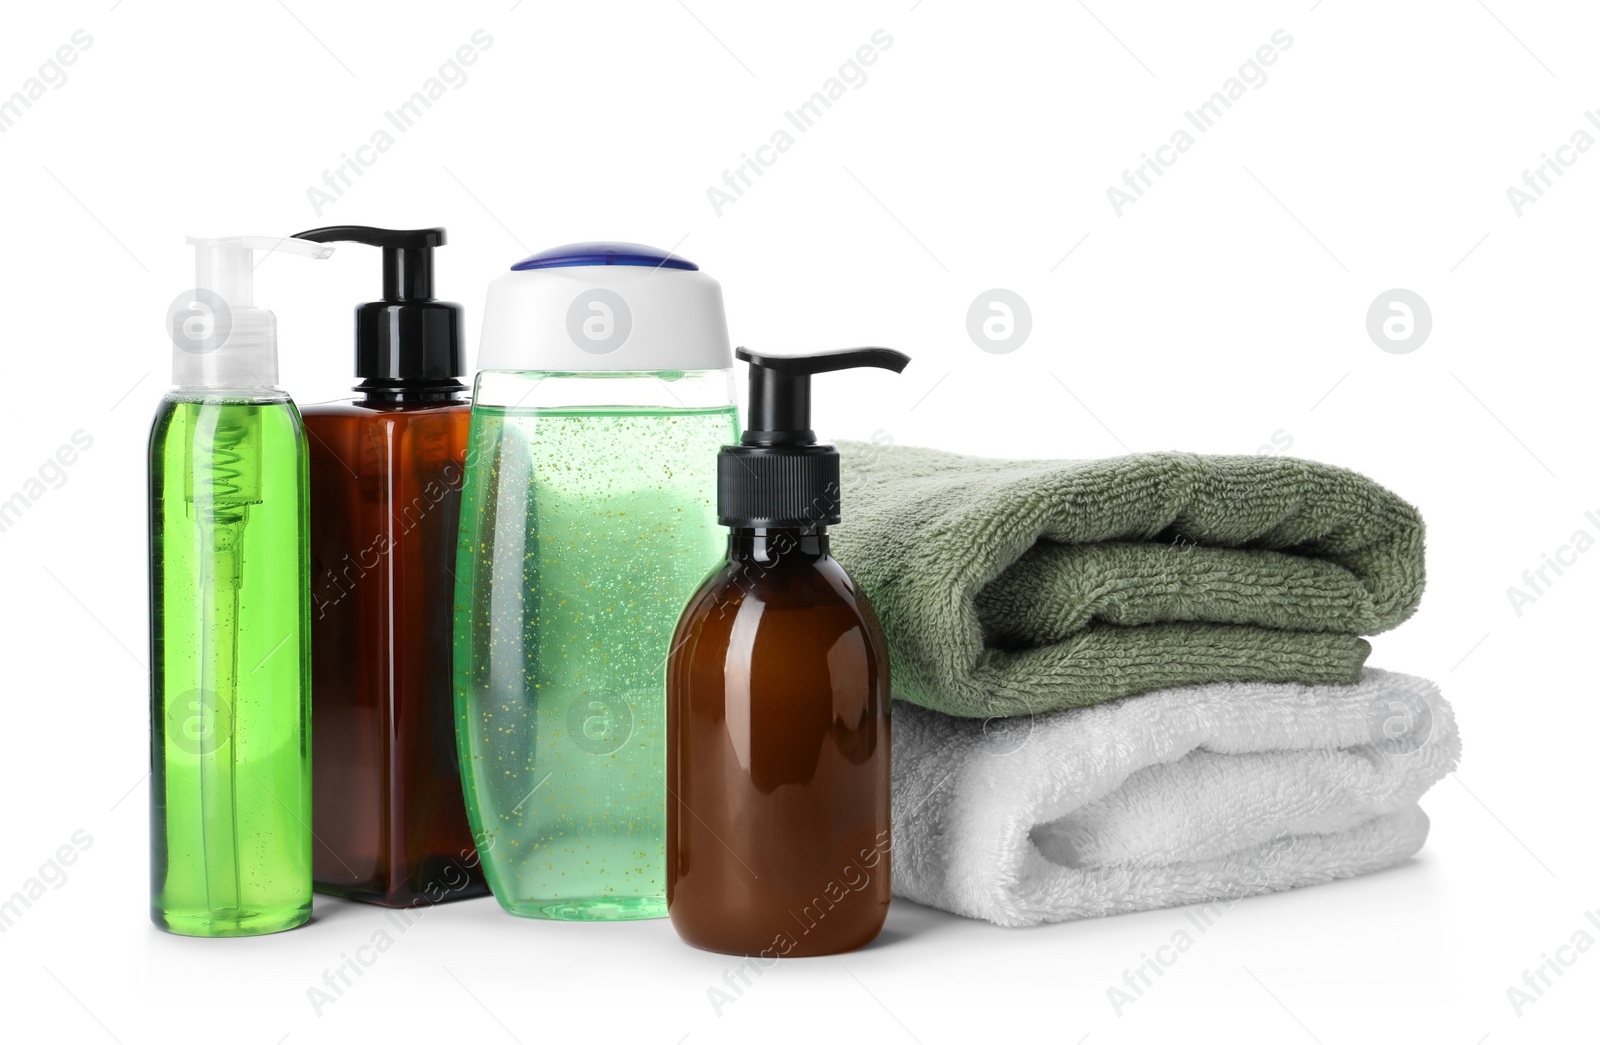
{"x":1185,"y":795}
{"x":1021,"y":587}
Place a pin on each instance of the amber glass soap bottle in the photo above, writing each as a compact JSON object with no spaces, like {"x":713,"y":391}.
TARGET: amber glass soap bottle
{"x":389,"y":821}
{"x":778,"y":702}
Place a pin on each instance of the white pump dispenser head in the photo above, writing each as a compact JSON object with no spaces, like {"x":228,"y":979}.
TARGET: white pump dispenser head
{"x":220,"y":338}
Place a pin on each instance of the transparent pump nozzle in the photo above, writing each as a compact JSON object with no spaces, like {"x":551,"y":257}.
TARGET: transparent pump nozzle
{"x":224,"y":340}
{"x":236,"y":347}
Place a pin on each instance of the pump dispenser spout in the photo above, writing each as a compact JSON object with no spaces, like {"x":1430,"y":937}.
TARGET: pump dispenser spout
{"x":780,"y":389}
{"x":408,"y":338}
{"x":222,"y":340}
{"x":779,"y":476}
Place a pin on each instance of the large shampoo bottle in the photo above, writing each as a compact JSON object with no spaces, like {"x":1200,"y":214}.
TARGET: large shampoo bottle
{"x":588,"y":517}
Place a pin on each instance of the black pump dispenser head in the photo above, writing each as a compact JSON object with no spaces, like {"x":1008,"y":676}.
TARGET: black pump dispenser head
{"x":778,"y":476}
{"x":408,"y":339}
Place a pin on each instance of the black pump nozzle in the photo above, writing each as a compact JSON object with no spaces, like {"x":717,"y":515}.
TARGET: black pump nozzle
{"x":780,"y":389}
{"x":779,"y":476}
{"x":408,"y":338}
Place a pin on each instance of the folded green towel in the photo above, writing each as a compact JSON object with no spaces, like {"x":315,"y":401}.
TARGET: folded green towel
{"x":1015,"y":587}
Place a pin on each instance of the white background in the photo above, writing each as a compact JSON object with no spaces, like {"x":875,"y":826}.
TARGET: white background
{"x":1226,"y":305}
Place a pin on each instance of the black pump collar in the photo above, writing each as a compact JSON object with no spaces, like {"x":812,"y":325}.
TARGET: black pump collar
{"x":779,"y":476}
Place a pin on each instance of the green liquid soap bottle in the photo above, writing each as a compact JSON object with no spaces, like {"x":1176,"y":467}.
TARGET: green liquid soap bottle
{"x":588,"y":518}
{"x":230,"y":772}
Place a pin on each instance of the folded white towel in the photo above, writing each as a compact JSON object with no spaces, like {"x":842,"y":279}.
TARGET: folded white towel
{"x":1177,"y":796}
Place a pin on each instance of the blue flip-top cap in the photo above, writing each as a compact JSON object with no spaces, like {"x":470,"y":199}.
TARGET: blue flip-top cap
{"x":578,"y":254}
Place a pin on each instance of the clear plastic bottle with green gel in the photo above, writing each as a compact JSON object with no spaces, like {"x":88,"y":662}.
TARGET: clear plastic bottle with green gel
{"x":588,"y":518}
{"x":230,"y":784}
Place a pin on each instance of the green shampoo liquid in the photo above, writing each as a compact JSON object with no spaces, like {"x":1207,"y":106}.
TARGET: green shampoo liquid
{"x":584,"y":532}
{"x":230,"y":773}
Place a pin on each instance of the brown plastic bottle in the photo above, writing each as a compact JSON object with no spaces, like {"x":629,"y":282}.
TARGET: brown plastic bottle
{"x":778,"y":833}
{"x":778,"y":756}
{"x":388,"y":817}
